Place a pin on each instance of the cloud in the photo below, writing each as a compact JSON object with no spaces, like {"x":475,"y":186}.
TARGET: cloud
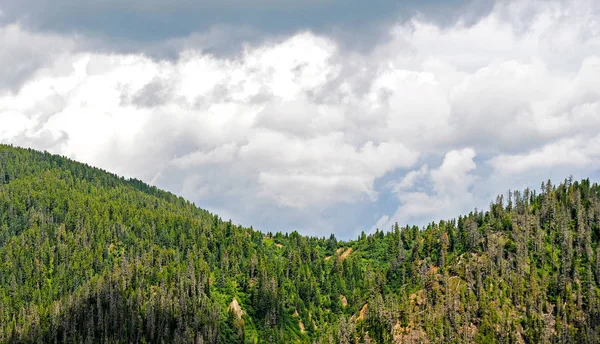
{"x":132,"y":25}
{"x":442,"y":192}
{"x":253,"y":115}
{"x":296,"y":132}
{"x":321,"y":170}
{"x":453,"y":176}
{"x":23,"y":53}
{"x":576,"y":153}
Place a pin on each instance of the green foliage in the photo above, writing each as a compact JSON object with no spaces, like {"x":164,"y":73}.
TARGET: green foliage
{"x":86,"y":256}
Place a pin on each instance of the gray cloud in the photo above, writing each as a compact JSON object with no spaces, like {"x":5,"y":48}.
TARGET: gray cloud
{"x":23,"y":53}
{"x":222,"y":26}
{"x":298,"y":133}
{"x":155,"y":93}
{"x":43,"y":138}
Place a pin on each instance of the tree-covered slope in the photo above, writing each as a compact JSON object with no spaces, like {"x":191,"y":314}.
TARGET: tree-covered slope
{"x":86,"y":256}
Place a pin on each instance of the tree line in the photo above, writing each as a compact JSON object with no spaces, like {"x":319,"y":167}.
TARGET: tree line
{"x":87,"y":256}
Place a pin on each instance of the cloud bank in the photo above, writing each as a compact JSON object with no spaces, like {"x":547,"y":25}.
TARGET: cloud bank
{"x":296,"y":132}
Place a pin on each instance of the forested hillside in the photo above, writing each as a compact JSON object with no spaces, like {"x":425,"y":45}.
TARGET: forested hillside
{"x":86,"y":256}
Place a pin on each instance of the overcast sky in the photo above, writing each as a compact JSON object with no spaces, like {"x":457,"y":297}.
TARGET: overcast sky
{"x":316,"y":116}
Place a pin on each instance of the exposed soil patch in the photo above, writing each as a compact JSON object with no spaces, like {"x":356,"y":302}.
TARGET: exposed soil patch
{"x":346,"y":253}
{"x":343,"y":300}
{"x":363,"y":312}
{"x":235,"y":307}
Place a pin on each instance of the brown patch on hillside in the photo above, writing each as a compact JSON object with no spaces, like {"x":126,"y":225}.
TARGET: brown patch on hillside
{"x":470,"y":331}
{"x":279,"y":245}
{"x":346,"y":253}
{"x":301,"y":325}
{"x":343,"y":300}
{"x":327,"y":258}
{"x":363,"y":312}
{"x":417,"y":298}
{"x":339,"y":250}
{"x":408,"y":334}
{"x":235,"y":308}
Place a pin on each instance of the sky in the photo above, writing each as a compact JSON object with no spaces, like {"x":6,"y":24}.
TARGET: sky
{"x":316,"y":116}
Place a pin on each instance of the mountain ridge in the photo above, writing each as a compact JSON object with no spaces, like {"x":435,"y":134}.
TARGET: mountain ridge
{"x":90,"y":256}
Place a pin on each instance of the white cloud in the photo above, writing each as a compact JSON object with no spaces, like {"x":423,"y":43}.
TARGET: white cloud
{"x":575,"y":153}
{"x":439,"y":193}
{"x":453,"y":176}
{"x":220,"y":155}
{"x":321,"y":170}
{"x":410,"y":180}
{"x":24,"y":53}
{"x":297,"y":126}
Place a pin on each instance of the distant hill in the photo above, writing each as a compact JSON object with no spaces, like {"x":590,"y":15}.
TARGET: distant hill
{"x":89,"y":257}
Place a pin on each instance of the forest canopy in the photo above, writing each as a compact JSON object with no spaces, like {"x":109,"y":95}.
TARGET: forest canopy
{"x":88,"y":256}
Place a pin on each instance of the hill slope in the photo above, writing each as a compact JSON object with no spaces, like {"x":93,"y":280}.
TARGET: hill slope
{"x":86,"y":256}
